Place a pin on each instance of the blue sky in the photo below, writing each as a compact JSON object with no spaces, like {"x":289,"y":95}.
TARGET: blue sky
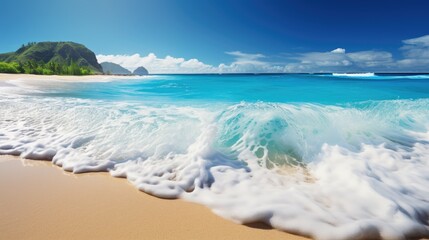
{"x":231,"y":36}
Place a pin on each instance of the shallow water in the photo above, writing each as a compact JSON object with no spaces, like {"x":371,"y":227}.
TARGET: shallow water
{"x":327,"y":156}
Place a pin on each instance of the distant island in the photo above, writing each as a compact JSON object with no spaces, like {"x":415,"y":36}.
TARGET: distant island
{"x":59,"y":58}
{"x":116,"y":69}
{"x":141,"y":71}
{"x":113,"y":68}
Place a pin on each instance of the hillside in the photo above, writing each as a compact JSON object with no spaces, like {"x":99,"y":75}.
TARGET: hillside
{"x":113,"y":68}
{"x":141,"y":71}
{"x":60,"y":53}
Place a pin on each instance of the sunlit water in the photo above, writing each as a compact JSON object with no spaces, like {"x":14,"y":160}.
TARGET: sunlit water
{"x":322,"y":155}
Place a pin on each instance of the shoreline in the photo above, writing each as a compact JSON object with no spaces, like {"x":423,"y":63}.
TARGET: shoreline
{"x":41,"y":201}
{"x":100,"y":78}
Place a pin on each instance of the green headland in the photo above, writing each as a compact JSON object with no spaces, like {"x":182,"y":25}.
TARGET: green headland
{"x":51,"y":58}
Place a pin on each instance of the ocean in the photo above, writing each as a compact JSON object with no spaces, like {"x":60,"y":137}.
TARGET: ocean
{"x":332,"y":156}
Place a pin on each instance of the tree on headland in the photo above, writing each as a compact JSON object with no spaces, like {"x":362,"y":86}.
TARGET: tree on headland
{"x":7,"y":68}
{"x":47,"y":58}
{"x":51,"y":68}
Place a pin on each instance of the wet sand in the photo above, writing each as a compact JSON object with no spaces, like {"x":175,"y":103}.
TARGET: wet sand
{"x":40,"y":201}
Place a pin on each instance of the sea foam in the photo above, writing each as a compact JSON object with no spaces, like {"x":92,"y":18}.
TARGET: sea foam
{"x":330,"y":172}
{"x":368,"y":74}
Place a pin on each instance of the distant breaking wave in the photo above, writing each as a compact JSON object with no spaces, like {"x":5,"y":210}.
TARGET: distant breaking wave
{"x":368,"y":74}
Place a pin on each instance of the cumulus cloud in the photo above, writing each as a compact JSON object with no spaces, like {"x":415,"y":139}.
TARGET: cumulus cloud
{"x":339,"y":50}
{"x":415,"y":57}
{"x":371,"y":58}
{"x":248,"y":63}
{"x":242,"y":63}
{"x":416,"y":48}
{"x":415,"y":52}
{"x":155,"y":64}
{"x":247,"y":58}
{"x":339,"y":60}
{"x":421,"y":41}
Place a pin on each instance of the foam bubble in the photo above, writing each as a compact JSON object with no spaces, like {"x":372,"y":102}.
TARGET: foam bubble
{"x":331,"y":172}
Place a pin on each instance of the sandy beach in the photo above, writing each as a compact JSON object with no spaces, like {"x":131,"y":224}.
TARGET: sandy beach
{"x":214,"y":120}
{"x":101,"y":78}
{"x":41,"y":201}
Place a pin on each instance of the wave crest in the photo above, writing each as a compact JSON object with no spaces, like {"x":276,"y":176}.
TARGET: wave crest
{"x":300,"y":167}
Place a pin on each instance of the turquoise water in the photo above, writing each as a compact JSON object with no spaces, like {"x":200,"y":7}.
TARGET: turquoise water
{"x":200,"y":89}
{"x":332,"y":157}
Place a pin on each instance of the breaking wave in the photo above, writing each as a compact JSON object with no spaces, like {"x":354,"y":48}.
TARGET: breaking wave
{"x":331,"y":172}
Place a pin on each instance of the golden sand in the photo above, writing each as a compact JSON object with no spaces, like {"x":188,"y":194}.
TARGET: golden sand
{"x":40,"y":201}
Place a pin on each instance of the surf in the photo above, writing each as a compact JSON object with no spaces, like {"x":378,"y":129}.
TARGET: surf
{"x":368,"y":74}
{"x":303,"y":167}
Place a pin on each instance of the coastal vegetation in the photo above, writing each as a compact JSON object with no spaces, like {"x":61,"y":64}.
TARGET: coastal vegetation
{"x":51,"y":68}
{"x":49,"y":58}
{"x":59,"y":58}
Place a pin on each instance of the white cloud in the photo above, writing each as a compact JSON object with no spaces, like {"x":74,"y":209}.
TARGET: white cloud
{"x":326,"y":59}
{"x":371,"y":59}
{"x":339,"y":50}
{"x":338,"y":60}
{"x":415,"y":58}
{"x":154,"y":64}
{"x":247,"y":58}
{"x":416,"y":54}
{"x":248,"y":63}
{"x":243,"y":63}
{"x":421,"y":41}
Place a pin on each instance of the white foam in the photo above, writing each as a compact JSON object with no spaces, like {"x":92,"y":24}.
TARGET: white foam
{"x":382,"y":77}
{"x":368,"y":74}
{"x":330,"y":172}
